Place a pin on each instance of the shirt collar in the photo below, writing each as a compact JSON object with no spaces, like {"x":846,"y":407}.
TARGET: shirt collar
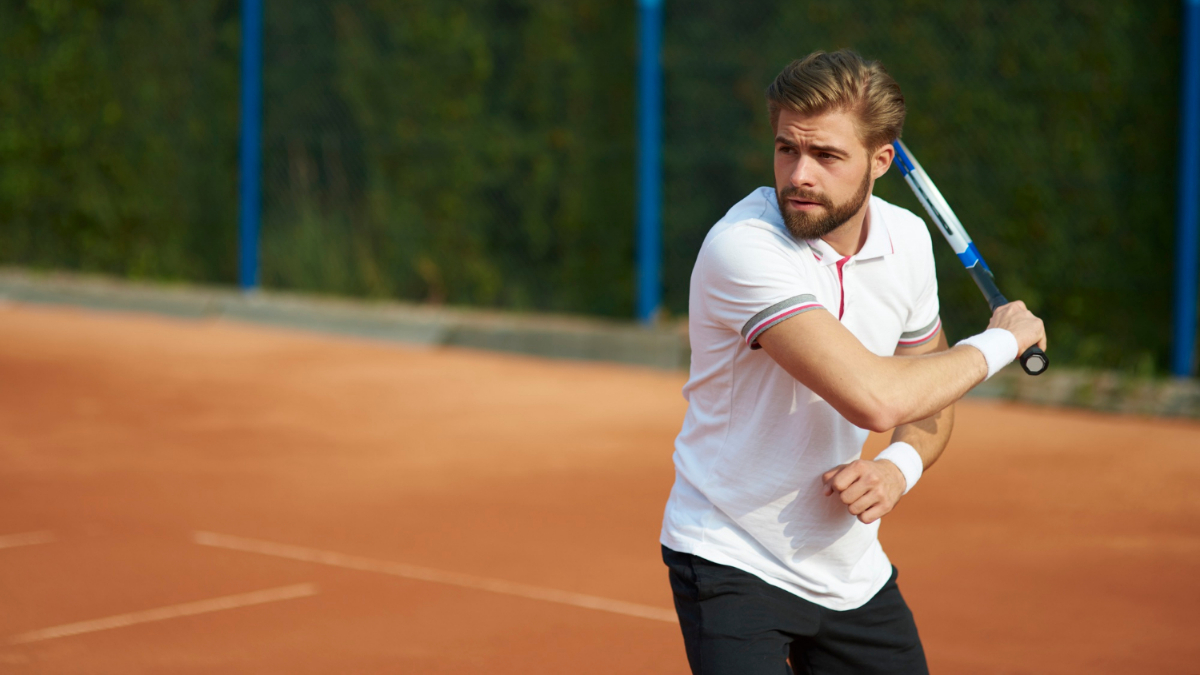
{"x":823,"y":252}
{"x":878,"y":243}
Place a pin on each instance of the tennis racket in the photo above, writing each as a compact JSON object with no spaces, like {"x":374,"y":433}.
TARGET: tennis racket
{"x":1034,"y":360}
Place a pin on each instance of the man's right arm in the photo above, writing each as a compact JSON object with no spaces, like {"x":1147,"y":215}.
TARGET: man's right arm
{"x":882,"y":392}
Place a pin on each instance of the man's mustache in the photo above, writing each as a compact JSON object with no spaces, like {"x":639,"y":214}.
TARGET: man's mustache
{"x":806,"y":195}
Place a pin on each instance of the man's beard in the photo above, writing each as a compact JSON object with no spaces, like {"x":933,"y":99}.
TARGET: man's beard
{"x":815,"y":225}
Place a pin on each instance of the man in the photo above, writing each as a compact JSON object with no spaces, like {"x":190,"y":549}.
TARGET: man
{"x":813,"y":316}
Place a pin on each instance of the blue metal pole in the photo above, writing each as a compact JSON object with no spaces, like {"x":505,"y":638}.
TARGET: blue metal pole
{"x":251,"y":152}
{"x":649,"y":239}
{"x":1187,"y":241}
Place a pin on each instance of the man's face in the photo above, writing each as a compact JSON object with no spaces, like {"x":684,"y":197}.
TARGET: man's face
{"x":823,"y":172}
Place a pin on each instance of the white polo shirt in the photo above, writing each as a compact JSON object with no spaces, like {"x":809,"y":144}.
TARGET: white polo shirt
{"x":754,"y":443}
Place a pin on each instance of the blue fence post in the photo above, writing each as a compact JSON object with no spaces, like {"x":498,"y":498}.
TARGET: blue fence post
{"x":1187,"y":243}
{"x":649,"y":238}
{"x":251,"y":151}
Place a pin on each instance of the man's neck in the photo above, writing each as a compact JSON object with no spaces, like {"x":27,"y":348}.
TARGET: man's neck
{"x":850,"y":237}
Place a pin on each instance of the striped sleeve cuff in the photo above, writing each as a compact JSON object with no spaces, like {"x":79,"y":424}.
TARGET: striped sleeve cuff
{"x":914,"y":338}
{"x":775,"y":314}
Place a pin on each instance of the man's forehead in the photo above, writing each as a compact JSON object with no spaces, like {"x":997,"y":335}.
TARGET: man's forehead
{"x":836,"y":126}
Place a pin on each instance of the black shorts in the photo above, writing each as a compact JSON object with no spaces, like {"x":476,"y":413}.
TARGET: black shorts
{"x":737,"y":624}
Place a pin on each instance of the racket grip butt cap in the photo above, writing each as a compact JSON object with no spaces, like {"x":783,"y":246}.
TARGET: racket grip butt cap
{"x":1034,"y":361}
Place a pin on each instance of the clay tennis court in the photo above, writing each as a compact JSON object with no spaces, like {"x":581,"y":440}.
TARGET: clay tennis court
{"x":207,"y":496}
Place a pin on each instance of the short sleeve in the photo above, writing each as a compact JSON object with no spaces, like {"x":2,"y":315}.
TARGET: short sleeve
{"x":924,"y":322}
{"x":750,"y":282}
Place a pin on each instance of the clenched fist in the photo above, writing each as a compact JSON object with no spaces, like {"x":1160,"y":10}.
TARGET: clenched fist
{"x":869,"y":489}
{"x":1016,"y":318}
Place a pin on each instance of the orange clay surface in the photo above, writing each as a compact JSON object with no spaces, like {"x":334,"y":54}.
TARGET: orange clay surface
{"x":1045,"y":541}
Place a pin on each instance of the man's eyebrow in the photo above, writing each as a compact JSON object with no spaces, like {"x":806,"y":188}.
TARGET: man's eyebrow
{"x":831,"y":149}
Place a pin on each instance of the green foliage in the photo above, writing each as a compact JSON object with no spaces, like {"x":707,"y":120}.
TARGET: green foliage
{"x":117,"y":136}
{"x":481,"y":151}
{"x":469,"y":152}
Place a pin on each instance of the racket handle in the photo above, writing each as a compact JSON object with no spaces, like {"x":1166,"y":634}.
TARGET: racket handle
{"x":1034,"y":361}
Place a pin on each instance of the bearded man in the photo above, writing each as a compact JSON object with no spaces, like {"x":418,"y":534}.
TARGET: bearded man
{"x":813,"y":316}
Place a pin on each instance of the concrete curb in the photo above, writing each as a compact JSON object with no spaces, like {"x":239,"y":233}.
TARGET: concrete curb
{"x":552,"y":336}
{"x":539,"y":335}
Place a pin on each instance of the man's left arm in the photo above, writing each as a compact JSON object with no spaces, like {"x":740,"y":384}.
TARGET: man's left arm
{"x":871,"y":489}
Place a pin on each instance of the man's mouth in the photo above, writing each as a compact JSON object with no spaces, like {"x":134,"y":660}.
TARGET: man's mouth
{"x":804,"y":203}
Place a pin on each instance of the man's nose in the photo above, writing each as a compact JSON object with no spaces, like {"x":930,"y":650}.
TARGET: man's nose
{"x":802,"y":172}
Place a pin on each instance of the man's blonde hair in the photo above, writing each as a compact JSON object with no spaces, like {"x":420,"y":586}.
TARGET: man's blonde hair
{"x":841,"y":81}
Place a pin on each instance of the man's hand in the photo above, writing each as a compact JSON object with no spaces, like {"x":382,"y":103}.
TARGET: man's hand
{"x":869,"y":489}
{"x":1018,"y":320}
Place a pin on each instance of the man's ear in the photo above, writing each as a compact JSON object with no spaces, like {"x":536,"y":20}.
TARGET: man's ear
{"x":881,"y":160}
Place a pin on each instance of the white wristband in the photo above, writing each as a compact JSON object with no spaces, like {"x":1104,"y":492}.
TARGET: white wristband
{"x":999,"y":348}
{"x":907,"y":459}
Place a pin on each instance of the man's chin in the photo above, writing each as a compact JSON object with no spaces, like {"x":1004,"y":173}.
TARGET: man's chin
{"x":816,"y":228}
{"x":808,"y":228}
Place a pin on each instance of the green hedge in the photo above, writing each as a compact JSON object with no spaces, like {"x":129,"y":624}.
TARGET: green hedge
{"x":118,"y":137}
{"x":481,"y":152}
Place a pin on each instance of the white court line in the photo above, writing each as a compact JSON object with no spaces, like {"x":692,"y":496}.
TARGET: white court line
{"x":171,"y":612}
{"x":435,"y":576}
{"x":26,"y":539}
